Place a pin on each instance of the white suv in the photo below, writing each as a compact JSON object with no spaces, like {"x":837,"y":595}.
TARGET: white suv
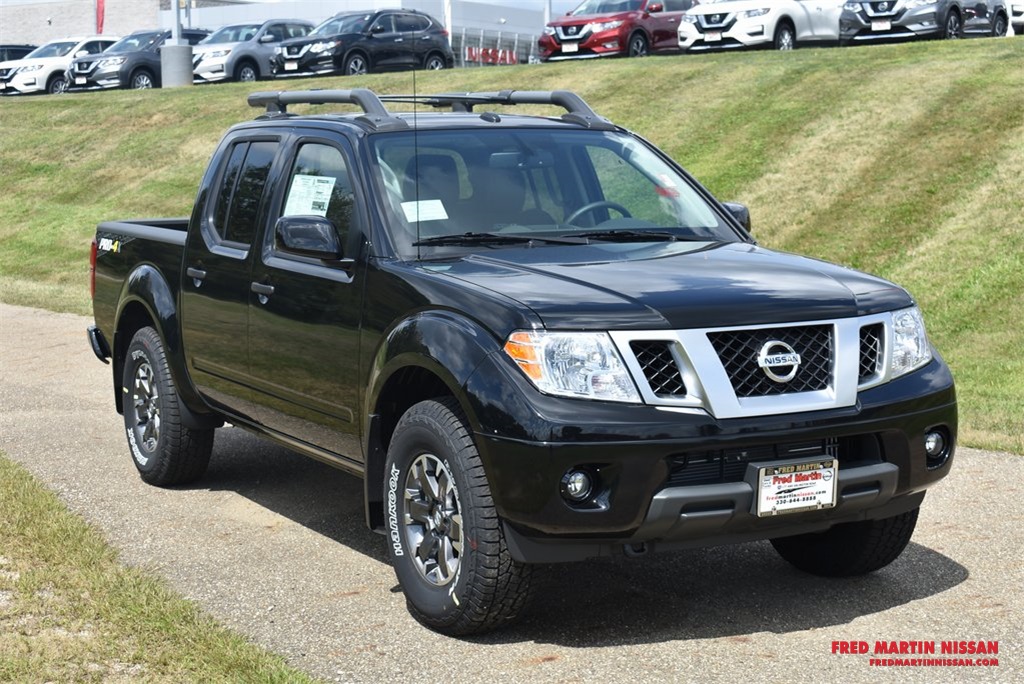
{"x":42,"y":70}
{"x":782,"y":24}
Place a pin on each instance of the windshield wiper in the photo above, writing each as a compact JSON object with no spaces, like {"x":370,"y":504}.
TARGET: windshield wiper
{"x":496,"y":239}
{"x":621,"y":235}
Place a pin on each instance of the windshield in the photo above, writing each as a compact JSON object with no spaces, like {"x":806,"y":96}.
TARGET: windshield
{"x":134,"y":42}
{"x":232,"y":34}
{"x":539,"y":183}
{"x":607,"y":7}
{"x":52,"y":50}
{"x":350,"y":23}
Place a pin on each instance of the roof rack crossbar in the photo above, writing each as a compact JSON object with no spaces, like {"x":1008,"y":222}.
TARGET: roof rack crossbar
{"x":376,"y":114}
{"x":577,"y":110}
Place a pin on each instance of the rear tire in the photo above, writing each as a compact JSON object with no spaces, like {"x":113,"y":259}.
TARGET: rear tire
{"x":445,"y":539}
{"x":164,"y":451}
{"x":851,"y":548}
{"x":434,"y":62}
{"x":999,"y":27}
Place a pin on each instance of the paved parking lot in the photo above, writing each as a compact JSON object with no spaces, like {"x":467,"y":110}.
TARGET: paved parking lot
{"x":273,"y":545}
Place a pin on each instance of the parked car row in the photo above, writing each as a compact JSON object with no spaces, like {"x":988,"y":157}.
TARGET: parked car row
{"x":599,"y":28}
{"x":351,"y":43}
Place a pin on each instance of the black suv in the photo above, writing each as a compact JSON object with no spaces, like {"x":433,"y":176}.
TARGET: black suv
{"x":10,"y":53}
{"x":132,"y":62}
{"x":361,"y":42}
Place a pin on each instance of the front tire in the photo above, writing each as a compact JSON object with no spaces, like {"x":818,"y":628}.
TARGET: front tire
{"x":785,"y":37}
{"x":56,"y":85}
{"x":953,"y":27}
{"x":851,"y":548}
{"x":638,"y":45}
{"x":357,"y":65}
{"x":246,"y":72}
{"x":164,"y":451}
{"x":445,"y":539}
{"x":142,"y":80}
{"x":999,"y":27}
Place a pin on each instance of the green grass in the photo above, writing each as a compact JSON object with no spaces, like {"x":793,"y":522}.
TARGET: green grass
{"x":906,"y":161}
{"x":69,"y":612}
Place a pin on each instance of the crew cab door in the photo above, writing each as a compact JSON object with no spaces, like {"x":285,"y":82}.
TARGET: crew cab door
{"x":304,"y":312}
{"x":215,"y":286}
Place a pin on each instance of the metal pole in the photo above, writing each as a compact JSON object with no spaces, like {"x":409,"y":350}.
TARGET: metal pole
{"x":176,"y":29}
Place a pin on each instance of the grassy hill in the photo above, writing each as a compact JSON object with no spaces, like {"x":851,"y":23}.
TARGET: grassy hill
{"x":905,"y":160}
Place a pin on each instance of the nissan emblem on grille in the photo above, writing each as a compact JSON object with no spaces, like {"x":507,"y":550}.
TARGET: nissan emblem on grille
{"x":716,"y":18}
{"x":883,"y":6}
{"x":775,"y":357}
{"x":572,"y":30}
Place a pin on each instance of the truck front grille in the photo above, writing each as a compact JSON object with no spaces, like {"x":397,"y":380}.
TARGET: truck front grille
{"x":738,"y":351}
{"x":730,"y":465}
{"x":870,"y":350}
{"x":659,"y":368}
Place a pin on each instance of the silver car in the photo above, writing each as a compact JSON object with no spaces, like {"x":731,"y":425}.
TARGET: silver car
{"x":875,"y":20}
{"x":242,"y":52}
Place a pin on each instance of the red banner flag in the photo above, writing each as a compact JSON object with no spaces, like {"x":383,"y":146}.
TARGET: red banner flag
{"x":100,"y":11}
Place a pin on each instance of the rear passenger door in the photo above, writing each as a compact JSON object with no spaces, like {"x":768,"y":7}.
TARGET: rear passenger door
{"x":665,"y":24}
{"x":215,"y":286}
{"x":412,"y":40}
{"x":304,"y":312}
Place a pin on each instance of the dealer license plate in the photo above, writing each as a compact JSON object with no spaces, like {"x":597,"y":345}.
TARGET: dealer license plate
{"x":796,"y":487}
{"x":881,"y":25}
{"x":570,"y":47}
{"x":713,"y":36}
{"x":291,"y":66}
{"x":79,"y":80}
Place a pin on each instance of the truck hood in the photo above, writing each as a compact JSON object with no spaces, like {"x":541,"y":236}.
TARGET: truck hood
{"x":724,"y":7}
{"x":673,"y":285}
{"x":205,"y":48}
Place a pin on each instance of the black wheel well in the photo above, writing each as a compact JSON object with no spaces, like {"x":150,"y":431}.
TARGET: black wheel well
{"x":53,"y":77}
{"x":355,"y":51}
{"x":786,"y":21}
{"x":141,"y":70}
{"x":134,"y":317}
{"x":406,"y":387}
{"x":639,"y":31}
{"x":434,"y":53}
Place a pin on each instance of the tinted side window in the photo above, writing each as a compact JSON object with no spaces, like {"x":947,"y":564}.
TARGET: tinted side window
{"x":384,"y":24}
{"x":276,"y":32}
{"x":245,"y":204}
{"x":406,"y":23}
{"x":194,"y":38}
{"x":297,"y":31}
{"x":319,"y":185}
{"x":93,"y":47}
{"x":228,"y":181}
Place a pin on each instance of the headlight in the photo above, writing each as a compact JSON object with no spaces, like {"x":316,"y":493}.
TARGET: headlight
{"x":30,"y":69}
{"x":110,"y":61}
{"x":549,"y":30}
{"x":910,"y":348}
{"x":572,"y":364}
{"x":852,"y":7}
{"x":605,"y":26}
{"x":317,"y":48}
{"x":755,"y":13}
{"x":218,"y":53}
{"x":690,"y":18}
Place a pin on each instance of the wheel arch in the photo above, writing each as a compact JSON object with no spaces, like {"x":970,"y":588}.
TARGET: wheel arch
{"x":146,"y":299}
{"x":428,"y":355}
{"x":247,"y":59}
{"x":355,"y":51}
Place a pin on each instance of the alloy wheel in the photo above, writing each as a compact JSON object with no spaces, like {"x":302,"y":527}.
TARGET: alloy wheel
{"x":433,"y":520}
{"x":146,"y":400}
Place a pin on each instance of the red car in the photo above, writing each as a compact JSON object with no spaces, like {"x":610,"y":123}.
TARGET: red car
{"x":602,"y":28}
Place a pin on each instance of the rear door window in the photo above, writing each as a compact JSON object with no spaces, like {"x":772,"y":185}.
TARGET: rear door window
{"x":237,"y":207}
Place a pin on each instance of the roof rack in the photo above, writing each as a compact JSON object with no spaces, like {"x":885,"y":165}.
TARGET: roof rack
{"x":375,"y":115}
{"x":577,"y":110}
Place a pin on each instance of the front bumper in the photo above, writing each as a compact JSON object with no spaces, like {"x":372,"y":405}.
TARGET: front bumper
{"x":741,"y":33}
{"x":211,"y":69}
{"x":859,"y":27}
{"x":677,"y":479}
{"x":1017,"y":18}
{"x":306,"y":63}
{"x":32,"y":82}
{"x":602,"y":44}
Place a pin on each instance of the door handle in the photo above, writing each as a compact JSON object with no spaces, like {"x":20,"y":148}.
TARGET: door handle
{"x":196,"y":274}
{"x":399,"y":40}
{"x":263,"y":291}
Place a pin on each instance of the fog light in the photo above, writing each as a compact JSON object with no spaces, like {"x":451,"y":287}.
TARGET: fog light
{"x":577,"y":485}
{"x":934,"y":444}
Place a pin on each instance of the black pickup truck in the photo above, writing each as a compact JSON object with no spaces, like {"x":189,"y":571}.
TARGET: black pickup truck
{"x":536,"y":339}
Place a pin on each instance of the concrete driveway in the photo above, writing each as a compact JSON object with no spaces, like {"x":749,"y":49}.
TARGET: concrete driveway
{"x":273,"y":545}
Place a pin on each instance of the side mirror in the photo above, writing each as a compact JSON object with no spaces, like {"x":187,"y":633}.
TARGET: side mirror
{"x":268,"y":38}
{"x":377,"y":28}
{"x":655,"y":7}
{"x":310,"y":236}
{"x":740,"y":213}
{"x":81,"y":53}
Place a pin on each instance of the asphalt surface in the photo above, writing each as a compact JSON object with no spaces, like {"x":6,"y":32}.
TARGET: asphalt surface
{"x":274,"y":546}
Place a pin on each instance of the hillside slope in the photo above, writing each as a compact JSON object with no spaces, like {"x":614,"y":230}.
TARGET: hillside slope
{"x":906,"y":161}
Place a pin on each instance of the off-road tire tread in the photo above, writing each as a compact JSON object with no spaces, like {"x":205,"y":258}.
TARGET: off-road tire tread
{"x":503,"y":587}
{"x":186,"y":451}
{"x":850,"y":549}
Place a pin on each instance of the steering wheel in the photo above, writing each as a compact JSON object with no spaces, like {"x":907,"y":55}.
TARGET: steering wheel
{"x":597,"y":205}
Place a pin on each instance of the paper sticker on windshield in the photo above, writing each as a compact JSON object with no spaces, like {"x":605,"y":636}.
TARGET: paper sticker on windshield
{"x":309,"y":196}
{"x":666,"y":186}
{"x":424,"y":210}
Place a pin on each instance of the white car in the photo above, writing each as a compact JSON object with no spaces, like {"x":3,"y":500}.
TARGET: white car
{"x":42,"y":70}
{"x":781,"y":24}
